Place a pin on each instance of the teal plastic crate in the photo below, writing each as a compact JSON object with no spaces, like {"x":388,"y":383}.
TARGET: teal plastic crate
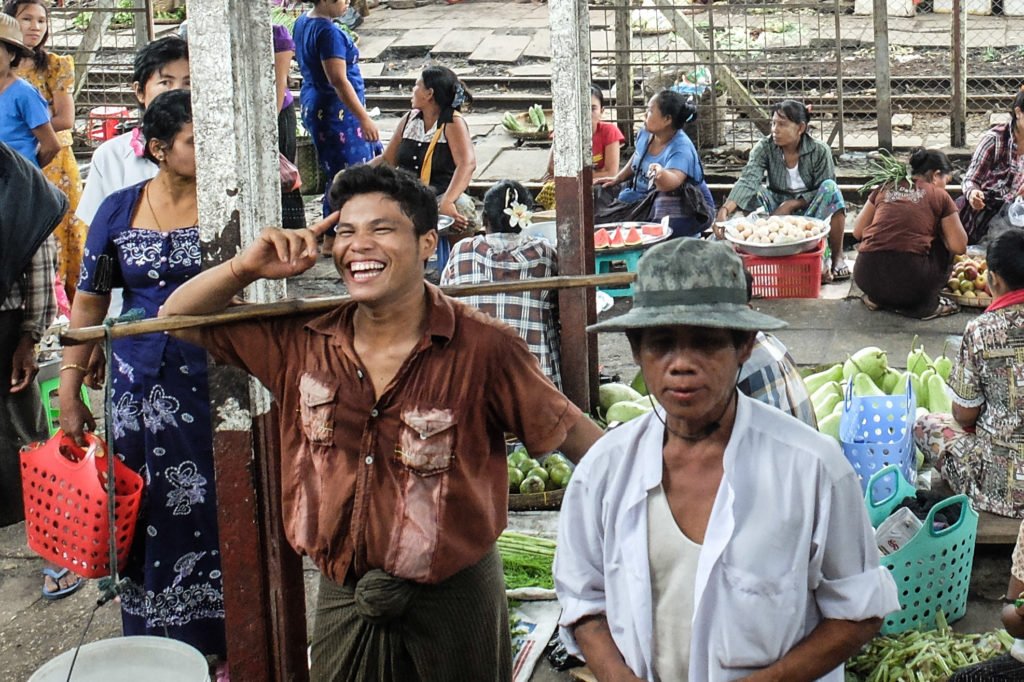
{"x":886,"y":489}
{"x":933,"y":570}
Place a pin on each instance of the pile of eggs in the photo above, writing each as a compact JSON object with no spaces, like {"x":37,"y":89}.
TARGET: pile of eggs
{"x":776,"y":229}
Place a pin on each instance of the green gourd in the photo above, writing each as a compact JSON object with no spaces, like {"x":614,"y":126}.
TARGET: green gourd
{"x":863,"y":386}
{"x":815,"y":381}
{"x":923,"y":390}
{"x":917,"y":360}
{"x":871,"y":360}
{"x":830,"y":425}
{"x":890,"y":381}
{"x":938,"y":399}
{"x":942,"y":364}
{"x":826,"y":406}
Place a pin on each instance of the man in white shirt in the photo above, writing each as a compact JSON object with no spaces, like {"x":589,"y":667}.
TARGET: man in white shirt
{"x":716,"y":538}
{"x":159,"y":66}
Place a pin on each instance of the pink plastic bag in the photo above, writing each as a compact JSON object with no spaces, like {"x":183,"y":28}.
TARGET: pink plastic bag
{"x":63,"y":304}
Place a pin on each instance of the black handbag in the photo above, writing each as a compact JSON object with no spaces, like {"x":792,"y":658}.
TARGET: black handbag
{"x":608,"y":209}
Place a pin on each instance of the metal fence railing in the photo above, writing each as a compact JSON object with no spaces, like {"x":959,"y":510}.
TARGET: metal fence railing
{"x":952,"y":68}
{"x":103,"y":36}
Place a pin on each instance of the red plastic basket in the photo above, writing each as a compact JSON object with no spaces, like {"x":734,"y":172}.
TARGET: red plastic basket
{"x":65,"y":497}
{"x":796,"y":276}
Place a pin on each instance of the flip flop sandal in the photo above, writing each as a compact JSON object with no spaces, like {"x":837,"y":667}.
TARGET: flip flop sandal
{"x":945,"y":309}
{"x":840,"y":272}
{"x":57,"y":576}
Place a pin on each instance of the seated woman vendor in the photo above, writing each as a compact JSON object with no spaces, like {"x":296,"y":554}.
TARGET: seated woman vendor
{"x":665,"y":159}
{"x":801,"y":180}
{"x":979,"y":449}
{"x":908,"y":233}
{"x":995,"y":176}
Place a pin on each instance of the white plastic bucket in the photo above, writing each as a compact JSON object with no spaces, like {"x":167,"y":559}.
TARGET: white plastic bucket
{"x":545,"y":229}
{"x":128,"y":659}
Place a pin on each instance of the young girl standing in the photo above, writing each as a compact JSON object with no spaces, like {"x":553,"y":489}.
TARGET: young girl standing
{"x":24,"y":117}
{"x":54,"y":77}
{"x":333,"y":96}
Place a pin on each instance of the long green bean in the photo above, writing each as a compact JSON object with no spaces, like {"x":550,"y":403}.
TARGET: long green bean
{"x":928,"y":656}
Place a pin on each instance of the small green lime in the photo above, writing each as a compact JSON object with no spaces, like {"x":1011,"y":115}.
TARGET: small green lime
{"x":531,"y":484}
{"x":528,"y":464}
{"x":554,"y":459}
{"x":516,"y":457}
{"x":561,"y":474}
{"x":539,"y":472}
{"x":515,"y":478}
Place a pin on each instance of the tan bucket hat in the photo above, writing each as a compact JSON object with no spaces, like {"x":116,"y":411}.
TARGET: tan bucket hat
{"x":10,"y":33}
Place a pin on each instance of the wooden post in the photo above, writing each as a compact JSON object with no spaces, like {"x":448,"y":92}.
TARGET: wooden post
{"x":958,"y":110}
{"x":883,"y":86}
{"x":574,"y":173}
{"x":237,"y":170}
{"x":623,"y":71}
{"x":143,"y":21}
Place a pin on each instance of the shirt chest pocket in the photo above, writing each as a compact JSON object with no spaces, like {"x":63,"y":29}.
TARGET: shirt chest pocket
{"x":765,"y":617}
{"x":426,"y":440}
{"x":316,"y":407}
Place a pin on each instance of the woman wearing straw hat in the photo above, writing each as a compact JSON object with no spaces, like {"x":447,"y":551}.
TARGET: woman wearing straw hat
{"x":715,"y":538}
{"x":24,"y":116}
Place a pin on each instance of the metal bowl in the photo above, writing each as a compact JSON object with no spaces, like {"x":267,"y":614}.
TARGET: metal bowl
{"x":444,"y":222}
{"x":776,"y":250}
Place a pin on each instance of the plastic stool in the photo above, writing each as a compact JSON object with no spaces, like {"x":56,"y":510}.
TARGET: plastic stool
{"x":101,"y":123}
{"x":48,"y":381}
{"x":603,"y":265}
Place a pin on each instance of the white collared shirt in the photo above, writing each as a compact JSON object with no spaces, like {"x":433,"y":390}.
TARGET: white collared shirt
{"x":114,"y":166}
{"x":788,"y":544}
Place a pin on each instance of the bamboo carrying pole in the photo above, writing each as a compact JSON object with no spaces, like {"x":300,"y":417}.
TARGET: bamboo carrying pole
{"x":299,"y":306}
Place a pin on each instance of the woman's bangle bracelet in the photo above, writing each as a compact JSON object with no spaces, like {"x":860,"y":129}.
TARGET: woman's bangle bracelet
{"x":72,"y":365}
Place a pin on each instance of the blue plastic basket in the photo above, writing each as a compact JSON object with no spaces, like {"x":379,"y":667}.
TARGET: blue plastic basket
{"x":876,"y":431}
{"x":886,"y":489}
{"x":933,"y":570}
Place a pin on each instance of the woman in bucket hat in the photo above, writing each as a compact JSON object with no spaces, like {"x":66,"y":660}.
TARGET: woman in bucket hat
{"x":24,"y":116}
{"x":715,"y":538}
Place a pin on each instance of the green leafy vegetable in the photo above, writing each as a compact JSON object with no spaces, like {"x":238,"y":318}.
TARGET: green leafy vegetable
{"x":526,"y":560}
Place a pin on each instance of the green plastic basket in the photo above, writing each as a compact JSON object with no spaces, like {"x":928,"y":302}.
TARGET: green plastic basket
{"x":933,"y":570}
{"x":887,"y":487}
{"x":48,"y":380}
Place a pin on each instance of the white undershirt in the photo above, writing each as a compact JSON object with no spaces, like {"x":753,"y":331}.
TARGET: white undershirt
{"x":673,"y":560}
{"x":796,"y":183}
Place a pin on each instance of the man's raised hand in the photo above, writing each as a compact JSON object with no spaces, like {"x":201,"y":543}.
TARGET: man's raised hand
{"x":278,"y":253}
